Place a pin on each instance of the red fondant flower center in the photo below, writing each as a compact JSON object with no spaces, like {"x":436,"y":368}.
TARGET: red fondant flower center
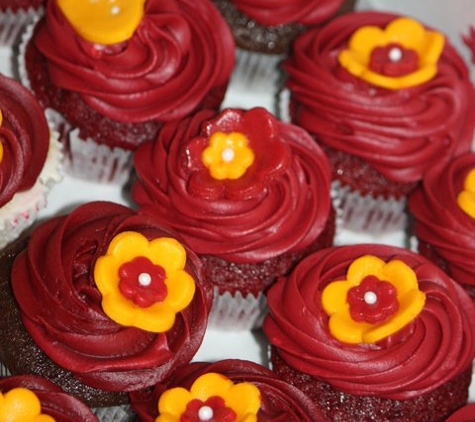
{"x":212,"y":410}
{"x":393,"y":60}
{"x":373,"y":300}
{"x":142,"y":282}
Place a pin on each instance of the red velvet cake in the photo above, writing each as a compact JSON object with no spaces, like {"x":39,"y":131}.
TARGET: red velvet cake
{"x":443,"y":211}
{"x":113,"y":73}
{"x":101,"y":301}
{"x":228,"y":388}
{"x":387,"y":98}
{"x":248,"y":193}
{"x":373,"y":332}
{"x":33,"y":398}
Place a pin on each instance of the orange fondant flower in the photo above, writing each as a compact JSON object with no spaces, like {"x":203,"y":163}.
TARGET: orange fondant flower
{"x":376,"y":300}
{"x":212,"y":397}
{"x":466,"y":197}
{"x":143,"y":283}
{"x":21,"y":405}
{"x":402,"y":55}
{"x":104,"y":21}
{"x":228,"y":155}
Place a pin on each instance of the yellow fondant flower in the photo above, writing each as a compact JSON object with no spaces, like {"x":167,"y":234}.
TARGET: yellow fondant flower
{"x":21,"y":405}
{"x":376,"y":300}
{"x":103,"y":21}
{"x":143,"y":283}
{"x":402,"y":55}
{"x":466,"y":197}
{"x":228,"y":155}
{"x":212,"y":397}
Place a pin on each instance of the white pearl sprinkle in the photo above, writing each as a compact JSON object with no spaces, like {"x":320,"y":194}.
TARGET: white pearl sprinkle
{"x":370,"y":298}
{"x":115,"y":10}
{"x":205,"y":413}
{"x":145,"y":279}
{"x":395,"y":54}
{"x":227,"y":155}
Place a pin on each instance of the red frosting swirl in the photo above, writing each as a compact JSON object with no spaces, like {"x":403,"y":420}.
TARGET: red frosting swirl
{"x":281,"y":204}
{"x":401,"y":133}
{"x":280,"y":401}
{"x":25,"y":138}
{"x":465,"y":414}
{"x":61,"y":306}
{"x":436,"y":347}
{"x":54,"y":401}
{"x":282,"y":12}
{"x":440,"y":222}
{"x":179,"y":52}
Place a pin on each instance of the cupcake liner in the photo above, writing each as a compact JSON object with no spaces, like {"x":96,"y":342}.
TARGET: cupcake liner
{"x":21,"y":211}
{"x":115,"y":414}
{"x":88,"y":160}
{"x":83,"y":158}
{"x":368,"y":214}
{"x":237,"y":312}
{"x":257,"y":71}
{"x":12,"y":24}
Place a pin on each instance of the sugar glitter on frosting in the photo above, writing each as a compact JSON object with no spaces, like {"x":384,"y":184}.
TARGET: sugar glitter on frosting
{"x":437,"y":346}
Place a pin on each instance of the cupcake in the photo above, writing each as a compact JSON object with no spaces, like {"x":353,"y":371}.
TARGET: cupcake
{"x":264,"y":32}
{"x":229,"y":387}
{"x":464,"y":414}
{"x":30,"y":159}
{"x":248,"y":193}
{"x":112,"y":72}
{"x":33,"y":398}
{"x":443,"y":223}
{"x":101,"y":301}
{"x":387,"y":98}
{"x":373,"y":332}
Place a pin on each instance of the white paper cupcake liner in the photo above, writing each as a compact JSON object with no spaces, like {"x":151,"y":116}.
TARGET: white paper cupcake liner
{"x":237,"y":312}
{"x":368,"y":214}
{"x":86,"y":159}
{"x":22,"y":210}
{"x":257,"y":72}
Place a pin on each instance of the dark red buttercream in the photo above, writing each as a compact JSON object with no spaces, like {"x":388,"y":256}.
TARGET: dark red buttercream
{"x":436,"y":347}
{"x":280,"y":401}
{"x":54,"y":401}
{"x":465,"y":414}
{"x":280,"y":205}
{"x":25,"y":138}
{"x":441,"y":223}
{"x":179,"y":52}
{"x":61,"y":306}
{"x":282,"y":12}
{"x":400,"y":133}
